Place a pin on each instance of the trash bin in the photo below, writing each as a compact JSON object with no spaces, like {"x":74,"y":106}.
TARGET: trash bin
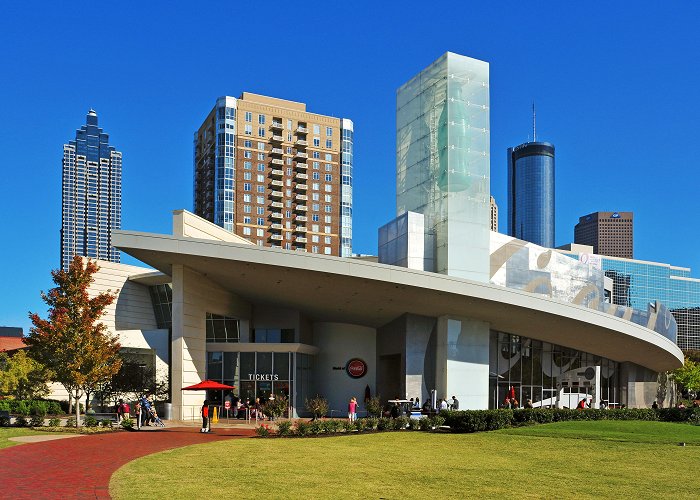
{"x":167,"y":411}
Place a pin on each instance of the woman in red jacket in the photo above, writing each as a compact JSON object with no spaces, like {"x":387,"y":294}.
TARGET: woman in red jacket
{"x":205,"y":416}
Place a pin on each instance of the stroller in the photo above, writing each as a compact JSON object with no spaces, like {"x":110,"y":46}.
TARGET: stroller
{"x":150,"y":411}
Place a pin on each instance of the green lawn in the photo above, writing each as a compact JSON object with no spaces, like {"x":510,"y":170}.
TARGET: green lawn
{"x":565,"y":460}
{"x":8,"y":432}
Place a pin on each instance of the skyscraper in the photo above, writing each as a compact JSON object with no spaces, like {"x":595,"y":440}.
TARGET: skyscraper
{"x":442,"y":161}
{"x":609,"y":233}
{"x":531,"y":191}
{"x":92,"y":194}
{"x":268,"y":170}
{"x":494,"y":215}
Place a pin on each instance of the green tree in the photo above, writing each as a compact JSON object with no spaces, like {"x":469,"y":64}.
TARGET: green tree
{"x":23,"y":377}
{"x":71,"y":342}
{"x":688,"y":376}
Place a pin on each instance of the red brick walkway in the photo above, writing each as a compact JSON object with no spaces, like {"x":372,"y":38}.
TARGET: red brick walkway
{"x":81,"y":467}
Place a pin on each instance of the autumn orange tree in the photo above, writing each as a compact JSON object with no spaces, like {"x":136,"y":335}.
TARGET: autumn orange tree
{"x":71,"y":342}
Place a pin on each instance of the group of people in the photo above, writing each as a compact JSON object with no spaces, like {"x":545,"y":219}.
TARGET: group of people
{"x":144,"y":409}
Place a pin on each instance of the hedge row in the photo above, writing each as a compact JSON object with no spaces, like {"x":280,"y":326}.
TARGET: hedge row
{"x":491,"y":420}
{"x":31,"y":407}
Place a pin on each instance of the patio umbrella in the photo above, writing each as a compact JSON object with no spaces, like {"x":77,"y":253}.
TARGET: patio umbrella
{"x":207,"y":384}
{"x":367,"y":393}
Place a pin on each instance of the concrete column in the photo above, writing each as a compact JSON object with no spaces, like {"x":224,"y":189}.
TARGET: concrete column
{"x":463,"y":361}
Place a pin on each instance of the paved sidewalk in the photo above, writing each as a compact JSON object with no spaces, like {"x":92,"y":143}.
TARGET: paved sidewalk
{"x":81,"y":468}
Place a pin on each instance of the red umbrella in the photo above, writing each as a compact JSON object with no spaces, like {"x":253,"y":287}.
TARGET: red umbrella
{"x":511,"y":393}
{"x":207,"y":384}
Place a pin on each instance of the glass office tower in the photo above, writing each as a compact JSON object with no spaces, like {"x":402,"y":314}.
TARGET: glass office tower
{"x":92,"y":195}
{"x":442,"y":161}
{"x":531,"y":193}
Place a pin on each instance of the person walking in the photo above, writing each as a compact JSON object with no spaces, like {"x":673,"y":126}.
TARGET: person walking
{"x":352,"y":409}
{"x":205,"y":417}
{"x":455,"y":403}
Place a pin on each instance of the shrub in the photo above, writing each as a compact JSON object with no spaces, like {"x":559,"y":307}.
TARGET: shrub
{"x":275,"y":408}
{"x":90,"y":421}
{"x":401,"y":423}
{"x":317,"y":406}
{"x":54,"y":422}
{"x":38,"y":408}
{"x":334,"y":426}
{"x":374,"y":406}
{"x":425,"y":423}
{"x":263,"y":430}
{"x":21,"y":421}
{"x":437,"y":421}
{"x":127,"y":423}
{"x":350,"y":426}
{"x":70,"y":422}
{"x":106,"y":422}
{"x":37,"y":421}
{"x":4,"y":421}
{"x":302,"y":428}
{"x":370,"y":423}
{"x":22,"y":408}
{"x":317,"y":427}
{"x":284,"y":428}
{"x":54,"y":408}
{"x":414,"y":424}
{"x":384,"y":423}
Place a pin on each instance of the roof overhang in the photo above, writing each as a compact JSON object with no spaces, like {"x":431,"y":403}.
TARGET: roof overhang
{"x":358,"y":292}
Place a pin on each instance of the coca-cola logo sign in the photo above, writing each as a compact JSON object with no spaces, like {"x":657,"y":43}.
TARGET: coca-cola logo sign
{"x":356,"y":368}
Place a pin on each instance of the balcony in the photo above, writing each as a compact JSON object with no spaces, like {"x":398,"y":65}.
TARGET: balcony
{"x":301,"y":166}
{"x":301,"y":197}
{"x":300,"y":218}
{"x":277,"y":183}
{"x":277,"y":204}
{"x":276,"y":226}
{"x":301,"y":187}
{"x":300,"y":208}
{"x":301,"y":155}
{"x":302,"y":130}
{"x":277,"y":138}
{"x":276,"y":215}
{"x":276,"y":126}
{"x":300,"y":229}
{"x":301,"y":142}
{"x":276,"y":173}
{"x":300,"y":249}
{"x":276,"y":194}
{"x":300,"y":239}
{"x":277,"y":151}
{"x":277,"y":237}
{"x":277,"y":161}
{"x":302,"y":176}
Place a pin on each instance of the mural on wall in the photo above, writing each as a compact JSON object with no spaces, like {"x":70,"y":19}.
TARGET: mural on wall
{"x":526,"y":266}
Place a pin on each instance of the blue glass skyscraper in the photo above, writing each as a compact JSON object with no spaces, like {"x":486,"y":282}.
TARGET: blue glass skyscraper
{"x":92,"y":194}
{"x":531,"y":193}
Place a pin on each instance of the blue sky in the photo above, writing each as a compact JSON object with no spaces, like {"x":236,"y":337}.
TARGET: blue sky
{"x":616,"y":89}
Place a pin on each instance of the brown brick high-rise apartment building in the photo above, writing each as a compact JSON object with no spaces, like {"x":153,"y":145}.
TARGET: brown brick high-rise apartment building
{"x":268,"y":170}
{"x":609,"y":233}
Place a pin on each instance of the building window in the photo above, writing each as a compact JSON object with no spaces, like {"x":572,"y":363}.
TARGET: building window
{"x":327,"y":240}
{"x":317,"y":142}
{"x":314,"y":249}
{"x":247,"y":143}
{"x":314,"y":217}
{"x":316,"y":176}
{"x":261,"y":131}
{"x":246,"y":198}
{"x":260,"y":210}
{"x":317,"y":129}
{"x":261,"y":221}
{"x":261,"y":156}
{"x":261,"y":119}
{"x":246,"y":186}
{"x":315,"y":196}
{"x":248,"y":116}
{"x":260,"y":200}
{"x":315,"y":207}
{"x":328,"y":198}
{"x":314,"y":186}
{"x":247,"y":154}
{"x":329,"y":131}
{"x":246,"y":231}
{"x":246,"y":220}
{"x":222,"y":329}
{"x":327,"y":229}
{"x":247,"y":176}
{"x":247,"y":164}
{"x":327,"y":209}
{"x":327,"y":219}
{"x":272,"y":335}
{"x":248,"y":129}
{"x":261,"y":189}
{"x":261,"y":178}
{"x":316,"y":165}
{"x":246,"y":209}
{"x":329,"y":177}
{"x":327,"y":250}
{"x":261,"y":167}
{"x":316,"y":154}
{"x":329,"y":143}
{"x":329,"y":167}
{"x":260,"y":232}
{"x":314,"y":238}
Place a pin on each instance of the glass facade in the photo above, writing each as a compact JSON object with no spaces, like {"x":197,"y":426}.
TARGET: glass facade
{"x":531,"y":193}
{"x":259,"y":374}
{"x":544,"y":373}
{"x":346,"y":147}
{"x":222,"y":329}
{"x":442,"y":160}
{"x":638,"y":283}
{"x":91,"y":195}
{"x":162,"y":300}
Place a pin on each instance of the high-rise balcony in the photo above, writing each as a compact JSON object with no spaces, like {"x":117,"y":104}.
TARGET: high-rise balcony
{"x":301,"y":208}
{"x":300,"y":229}
{"x":277,"y":151}
{"x":301,"y":166}
{"x":276,"y":173}
{"x":300,"y":239}
{"x":277,"y":138}
{"x":276,"y":215}
{"x":276,"y":237}
{"x":302,"y":130}
{"x":301,"y":176}
{"x":276,"y":226}
{"x":276,"y":194}
{"x":277,"y":204}
{"x":277,"y":125}
{"x":300,"y":218}
{"x":301,"y":197}
{"x":277,"y":183}
{"x":277,"y":161}
{"x":301,"y":187}
{"x":300,"y":154}
{"x":301,"y":142}
{"x":300,"y":249}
